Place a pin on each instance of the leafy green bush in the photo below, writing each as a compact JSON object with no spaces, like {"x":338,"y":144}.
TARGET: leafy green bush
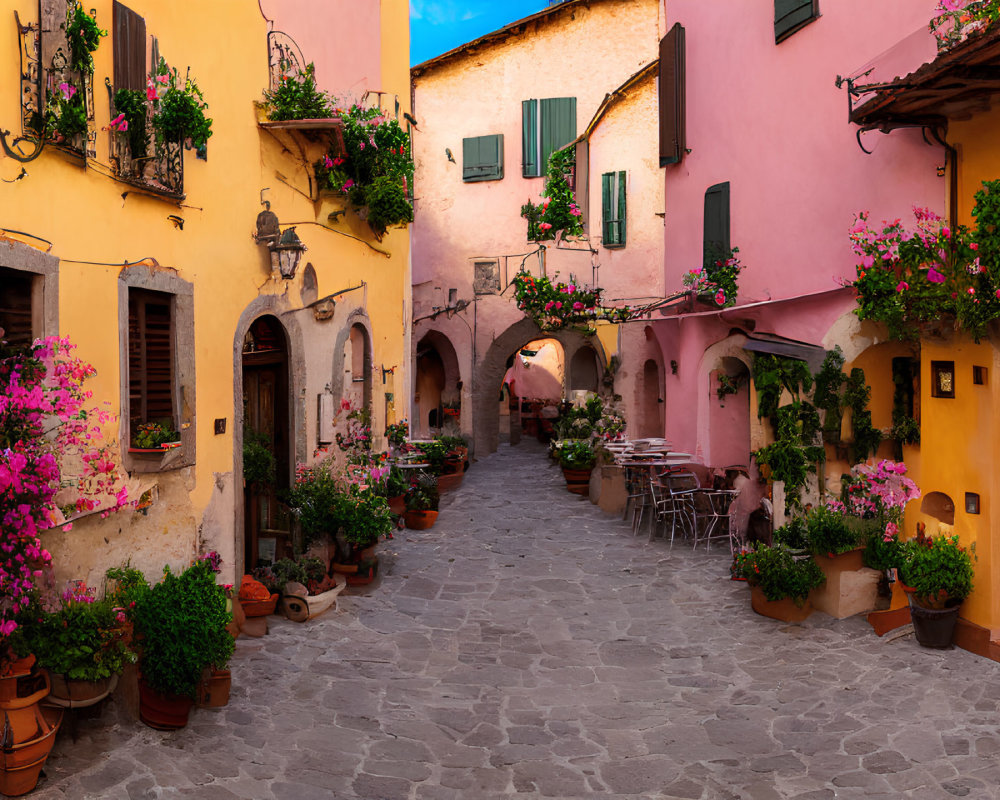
{"x":387,"y":204}
{"x":132,"y":103}
{"x":794,"y":534}
{"x":938,"y":568}
{"x":779,"y":575}
{"x":298,"y":98}
{"x":577,"y":454}
{"x":829,"y":533}
{"x":83,"y":37}
{"x":365,"y":517}
{"x":423,"y":494}
{"x":182,"y":621}
{"x":85,"y":639}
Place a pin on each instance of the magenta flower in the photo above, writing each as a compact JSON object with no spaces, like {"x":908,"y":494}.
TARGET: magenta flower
{"x":902,"y":286}
{"x":934,"y":276}
{"x":720,"y":298}
{"x":68,"y":90}
{"x":578,"y":306}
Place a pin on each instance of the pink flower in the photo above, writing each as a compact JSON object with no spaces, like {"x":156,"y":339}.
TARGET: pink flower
{"x":68,"y":90}
{"x":548,"y":305}
{"x":558,"y":304}
{"x":902,"y":286}
{"x":572,"y":288}
{"x":720,"y":298}
{"x":971,"y":291}
{"x":934,"y":276}
{"x":578,"y":306}
{"x":973,"y":246}
{"x":867,"y":261}
{"x":891,"y":529}
{"x":347,"y":185}
{"x":327,"y":162}
{"x":545,"y":226}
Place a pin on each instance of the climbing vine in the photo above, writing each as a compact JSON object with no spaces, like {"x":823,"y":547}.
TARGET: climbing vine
{"x":558,"y":211}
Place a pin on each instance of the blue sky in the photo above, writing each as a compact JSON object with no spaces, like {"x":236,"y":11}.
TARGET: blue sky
{"x":437,"y":26}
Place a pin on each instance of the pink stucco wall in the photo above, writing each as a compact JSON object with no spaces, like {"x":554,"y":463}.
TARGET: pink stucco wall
{"x":348,"y":54}
{"x":769,"y":119}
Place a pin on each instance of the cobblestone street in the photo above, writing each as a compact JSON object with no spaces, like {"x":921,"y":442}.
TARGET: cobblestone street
{"x":529,"y":646}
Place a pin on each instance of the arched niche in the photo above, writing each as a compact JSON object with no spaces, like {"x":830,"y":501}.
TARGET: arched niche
{"x":940,"y":506}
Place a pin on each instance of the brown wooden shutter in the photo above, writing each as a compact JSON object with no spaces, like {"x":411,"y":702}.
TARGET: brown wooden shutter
{"x":150,"y":357}
{"x":129,"y":48}
{"x":673,"y":141}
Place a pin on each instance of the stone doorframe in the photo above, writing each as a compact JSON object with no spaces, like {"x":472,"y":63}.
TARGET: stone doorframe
{"x":493,"y":366}
{"x":275,"y":306}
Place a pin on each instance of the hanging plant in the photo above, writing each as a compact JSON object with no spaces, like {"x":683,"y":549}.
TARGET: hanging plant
{"x":180,"y":109}
{"x":716,"y":281}
{"x":561,"y":305}
{"x":558,"y":211}
{"x":132,"y":106}
{"x":67,"y":116}
{"x":297,"y":97}
{"x":83,"y":37}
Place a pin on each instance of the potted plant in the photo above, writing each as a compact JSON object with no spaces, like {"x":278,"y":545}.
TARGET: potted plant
{"x":780,"y":584}
{"x":85,"y":644}
{"x":180,"y":111}
{"x":397,"y":433}
{"x":315,"y":499}
{"x":396,"y":484}
{"x":936,"y":572}
{"x":182,"y":624}
{"x":153,"y":437}
{"x":366,"y":518}
{"x":422,"y":503}
{"x":577,"y":458}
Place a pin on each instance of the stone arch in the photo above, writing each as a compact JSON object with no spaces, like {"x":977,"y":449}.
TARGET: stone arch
{"x":583,"y":370}
{"x":493,"y":366}
{"x":274,"y":306}
{"x":437,"y":379}
{"x":358,"y":324}
{"x":726,"y":419}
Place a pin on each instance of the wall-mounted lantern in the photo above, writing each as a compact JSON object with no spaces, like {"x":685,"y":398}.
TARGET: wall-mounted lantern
{"x":285,"y":247}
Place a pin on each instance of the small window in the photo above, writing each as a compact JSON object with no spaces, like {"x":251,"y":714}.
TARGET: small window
{"x":15,"y":307}
{"x":980,"y":376}
{"x":482,"y":158}
{"x":791,"y":15}
{"x":613,"y":209}
{"x":151,"y":359}
{"x":546,"y":126}
{"x":942,"y":378}
{"x":715,"y":244}
{"x":672,"y":97}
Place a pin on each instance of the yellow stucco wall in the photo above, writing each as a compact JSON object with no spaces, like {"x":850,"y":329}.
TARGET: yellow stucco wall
{"x":85,"y":215}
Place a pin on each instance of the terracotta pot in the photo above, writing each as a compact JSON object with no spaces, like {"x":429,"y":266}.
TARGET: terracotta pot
{"x":366,"y":553}
{"x":420,"y":520}
{"x":366,"y":574}
{"x":397,"y":505}
{"x":165,"y":712}
{"x":784,"y":609}
{"x":213,"y":692}
{"x":577,"y":480}
{"x":23,"y":690}
{"x":79,"y":693}
{"x":259,"y":608}
{"x":850,"y":561}
{"x":447,"y":483}
{"x":20,"y":780}
{"x":36,"y":749}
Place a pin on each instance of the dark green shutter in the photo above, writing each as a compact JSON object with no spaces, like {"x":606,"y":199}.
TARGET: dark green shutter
{"x":482,"y":158}
{"x":621,"y":208}
{"x":716,"y":232}
{"x":558,"y":117}
{"x":790,"y":15}
{"x":529,"y":138}
{"x":606,"y":227}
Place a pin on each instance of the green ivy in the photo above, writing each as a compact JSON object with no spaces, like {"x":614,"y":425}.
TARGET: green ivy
{"x":558,"y":212}
{"x":83,"y":36}
{"x":773,"y":373}
{"x":180,"y":113}
{"x":866,"y":436}
{"x":133,"y":104}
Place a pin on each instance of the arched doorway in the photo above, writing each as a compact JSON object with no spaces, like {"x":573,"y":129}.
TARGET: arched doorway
{"x":729,"y":413}
{"x":266,"y":422}
{"x":533,"y":387}
{"x":651,"y":401}
{"x":584,"y":373}
{"x":437,"y":391}
{"x":358,"y":368}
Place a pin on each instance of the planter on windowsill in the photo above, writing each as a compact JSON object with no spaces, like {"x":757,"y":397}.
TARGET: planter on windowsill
{"x":163,"y":448}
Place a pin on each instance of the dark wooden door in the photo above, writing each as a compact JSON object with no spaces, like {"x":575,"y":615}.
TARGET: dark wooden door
{"x":265,"y":411}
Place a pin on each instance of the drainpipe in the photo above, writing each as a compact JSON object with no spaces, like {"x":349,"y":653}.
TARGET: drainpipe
{"x":951,"y":162}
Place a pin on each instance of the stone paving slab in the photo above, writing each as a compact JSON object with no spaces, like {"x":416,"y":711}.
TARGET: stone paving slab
{"x":529,"y":646}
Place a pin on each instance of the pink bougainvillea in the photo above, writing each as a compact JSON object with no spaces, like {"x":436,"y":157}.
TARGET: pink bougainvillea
{"x":45,"y":422}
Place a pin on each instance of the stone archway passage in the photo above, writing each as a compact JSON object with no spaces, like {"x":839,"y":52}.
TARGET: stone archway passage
{"x":491,"y":369}
{"x":437,"y":384}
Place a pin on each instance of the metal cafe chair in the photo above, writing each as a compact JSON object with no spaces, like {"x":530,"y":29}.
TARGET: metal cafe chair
{"x":638,"y":495}
{"x":673,"y":498}
{"x":715,"y":509}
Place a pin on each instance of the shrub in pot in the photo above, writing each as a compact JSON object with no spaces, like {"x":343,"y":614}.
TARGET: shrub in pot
{"x":182,"y":623}
{"x":577,"y":454}
{"x":779,"y":575}
{"x":828,"y":533}
{"x":422,"y":503}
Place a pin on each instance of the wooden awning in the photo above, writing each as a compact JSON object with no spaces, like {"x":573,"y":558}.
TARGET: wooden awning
{"x":958,"y":83}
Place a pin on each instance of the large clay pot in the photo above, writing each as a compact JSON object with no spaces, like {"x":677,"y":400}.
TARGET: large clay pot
{"x":80,"y":693}
{"x":165,"y":712}
{"x":933,"y":627}
{"x":420,"y":520}
{"x":577,"y":480}
{"x":259,"y":608}
{"x":213,"y":692}
{"x":397,"y":505}
{"x":784,"y":609}
{"x":447,"y":483}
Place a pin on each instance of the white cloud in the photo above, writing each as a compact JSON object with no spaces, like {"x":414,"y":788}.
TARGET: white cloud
{"x":442,"y":12}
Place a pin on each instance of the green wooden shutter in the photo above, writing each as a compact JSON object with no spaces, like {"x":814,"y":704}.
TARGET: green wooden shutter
{"x":529,"y":139}
{"x":621,"y":208}
{"x":606,"y":180}
{"x":790,"y":15}
{"x":482,"y":158}
{"x":558,"y":126}
{"x":715,"y":243}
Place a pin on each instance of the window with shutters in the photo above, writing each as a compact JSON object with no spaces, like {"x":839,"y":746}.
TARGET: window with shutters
{"x":156,"y":316}
{"x":672,"y":100}
{"x":716,"y":243}
{"x":482,"y":158}
{"x":129,"y":48}
{"x":791,"y":15}
{"x":16,"y":287}
{"x":613,"y":209}
{"x":546,"y":126}
{"x":150,"y":359}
